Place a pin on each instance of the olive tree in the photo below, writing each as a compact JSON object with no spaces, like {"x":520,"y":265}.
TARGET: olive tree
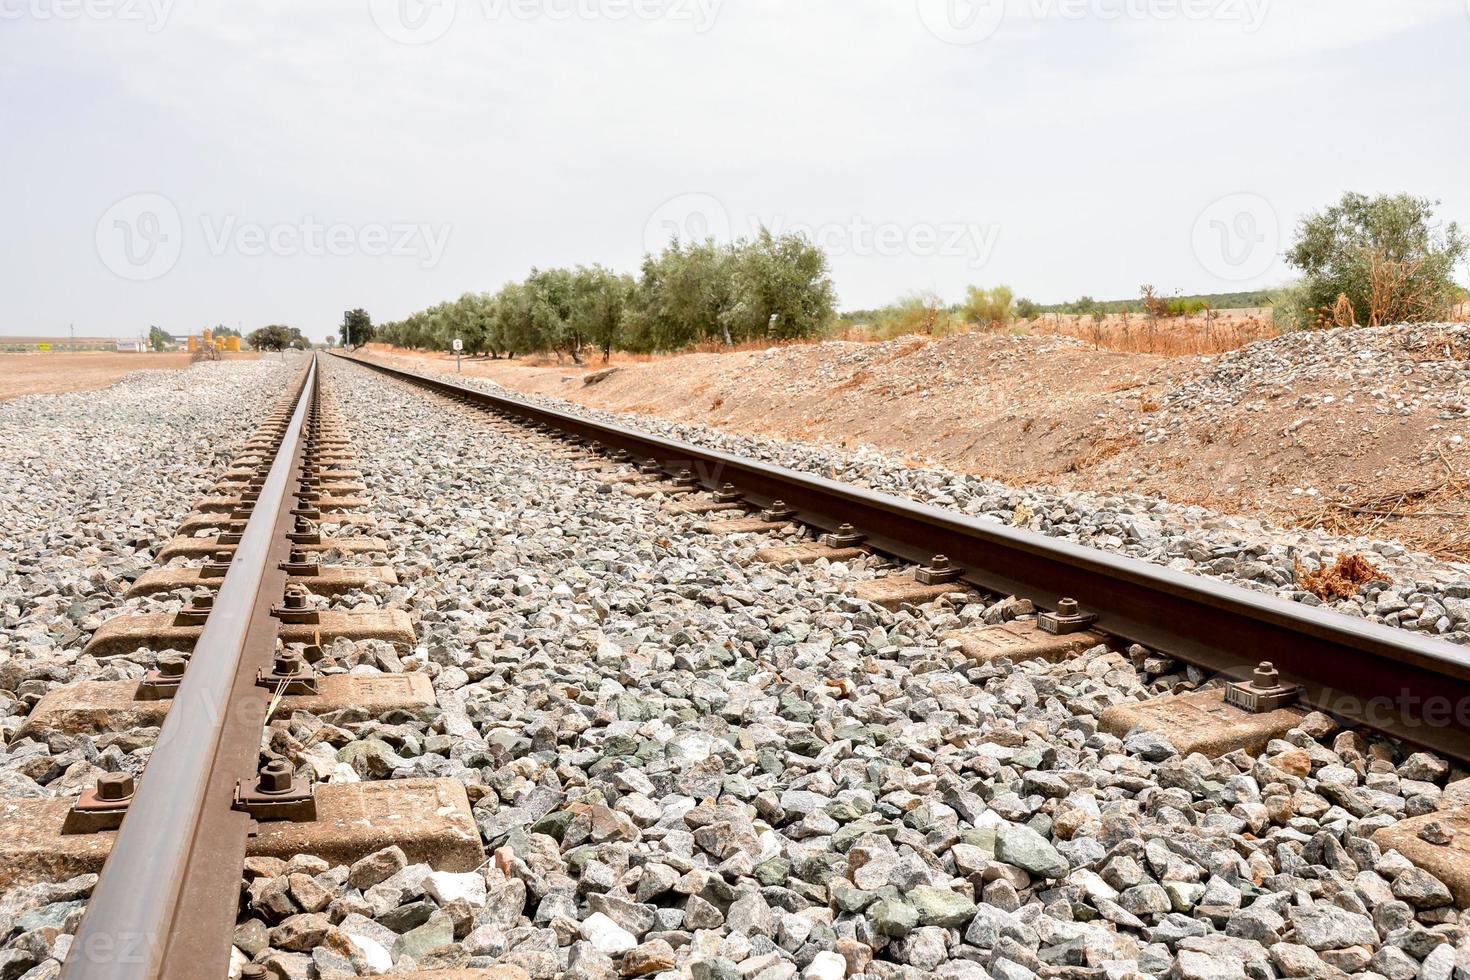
{"x":1377,"y":260}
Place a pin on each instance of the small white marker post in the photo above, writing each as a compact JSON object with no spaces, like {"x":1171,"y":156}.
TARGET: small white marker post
{"x":458,"y":346}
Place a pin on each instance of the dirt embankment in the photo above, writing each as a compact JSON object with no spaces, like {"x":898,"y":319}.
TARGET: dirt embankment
{"x":58,"y":371}
{"x":1363,"y":431}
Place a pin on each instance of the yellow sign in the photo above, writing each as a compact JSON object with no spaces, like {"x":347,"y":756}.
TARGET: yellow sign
{"x":43,"y":346}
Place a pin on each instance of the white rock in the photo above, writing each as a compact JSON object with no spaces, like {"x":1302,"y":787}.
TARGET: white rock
{"x":373,"y":954}
{"x":445,"y":887}
{"x":606,"y":935}
{"x":826,"y":965}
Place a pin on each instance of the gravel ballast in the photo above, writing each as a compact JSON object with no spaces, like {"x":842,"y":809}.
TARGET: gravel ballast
{"x":95,"y":482}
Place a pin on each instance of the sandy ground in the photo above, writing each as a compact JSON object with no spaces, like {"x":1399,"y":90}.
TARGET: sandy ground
{"x":1361,"y":432}
{"x":48,"y":373}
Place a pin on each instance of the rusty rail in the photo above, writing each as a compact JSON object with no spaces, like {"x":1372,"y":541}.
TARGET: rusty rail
{"x":167,"y":899}
{"x":1407,"y":685}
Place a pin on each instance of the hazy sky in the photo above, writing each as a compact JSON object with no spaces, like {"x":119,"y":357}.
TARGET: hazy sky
{"x":206,"y":161}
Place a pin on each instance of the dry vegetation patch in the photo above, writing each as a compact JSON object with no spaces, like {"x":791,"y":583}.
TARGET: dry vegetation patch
{"x":1341,"y":579}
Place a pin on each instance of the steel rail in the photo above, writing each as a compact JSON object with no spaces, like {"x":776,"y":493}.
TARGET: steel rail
{"x":1407,"y":685}
{"x":167,"y":899}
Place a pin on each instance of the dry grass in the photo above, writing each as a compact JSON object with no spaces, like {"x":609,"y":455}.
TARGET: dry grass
{"x":1415,"y":515}
{"x":1099,"y":451}
{"x":1175,"y":336}
{"x":1341,"y":579}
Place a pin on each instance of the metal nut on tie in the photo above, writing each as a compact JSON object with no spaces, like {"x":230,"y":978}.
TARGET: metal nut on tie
{"x":939,"y":571}
{"x":275,"y":778}
{"x":295,"y":607}
{"x":777,"y":512}
{"x":299,"y":563}
{"x":290,"y":672}
{"x":1068,"y":618}
{"x":101,"y":806}
{"x":197,"y":609}
{"x":115,"y":787}
{"x":846,"y":536}
{"x":217,"y":565}
{"x":1263,"y":692}
{"x":275,"y":794}
{"x":305,"y":531}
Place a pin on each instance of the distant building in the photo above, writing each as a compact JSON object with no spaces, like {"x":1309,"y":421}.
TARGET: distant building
{"x":57,"y":343}
{"x":134,"y":346}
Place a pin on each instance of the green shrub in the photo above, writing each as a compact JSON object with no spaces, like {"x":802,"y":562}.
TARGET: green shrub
{"x":1387,"y":255}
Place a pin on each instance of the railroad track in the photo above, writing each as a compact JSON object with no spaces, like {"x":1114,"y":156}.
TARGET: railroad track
{"x":244,"y":648}
{"x":224,"y":813}
{"x":1375,"y":676}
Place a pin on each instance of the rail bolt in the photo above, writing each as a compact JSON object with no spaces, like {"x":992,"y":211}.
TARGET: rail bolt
{"x":1263,"y":692}
{"x":1068,"y":618}
{"x":172,"y":666}
{"x":288,"y":663}
{"x":295,"y":597}
{"x":305,"y":531}
{"x":844,"y":537}
{"x":115,"y":787}
{"x":196,"y":610}
{"x":939,"y":571}
{"x":1266,"y":676}
{"x":276,"y":778}
{"x":777,"y":512}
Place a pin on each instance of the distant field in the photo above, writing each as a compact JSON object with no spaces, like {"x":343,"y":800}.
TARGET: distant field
{"x":50,"y":373}
{"x":1216,"y":301}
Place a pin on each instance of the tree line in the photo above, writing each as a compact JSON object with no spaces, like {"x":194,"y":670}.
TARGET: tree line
{"x":1362,"y":261}
{"x":766,"y":288}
